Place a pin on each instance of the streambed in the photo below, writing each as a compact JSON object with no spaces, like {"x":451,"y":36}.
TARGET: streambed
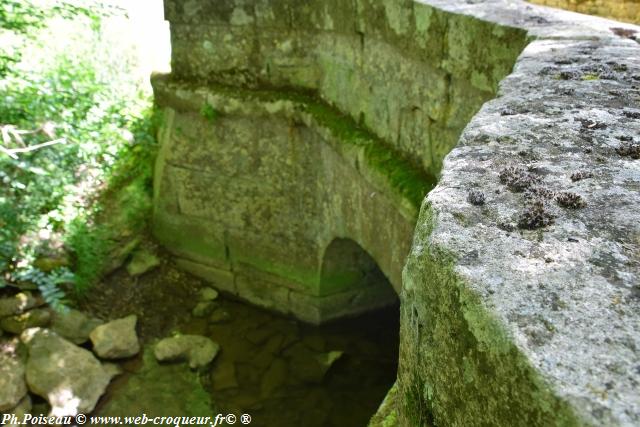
{"x":280,"y":371}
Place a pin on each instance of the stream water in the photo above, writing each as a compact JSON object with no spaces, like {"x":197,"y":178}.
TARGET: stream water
{"x":280,"y":371}
{"x":276,"y":369}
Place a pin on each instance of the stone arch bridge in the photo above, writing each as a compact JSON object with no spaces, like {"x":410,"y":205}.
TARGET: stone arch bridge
{"x":301,"y":138}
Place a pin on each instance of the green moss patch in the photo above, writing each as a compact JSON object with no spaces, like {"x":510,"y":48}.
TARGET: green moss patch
{"x":170,"y":390}
{"x":457,"y":364}
{"x":403,"y":174}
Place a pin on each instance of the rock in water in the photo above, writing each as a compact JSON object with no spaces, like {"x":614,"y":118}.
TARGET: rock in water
{"x":197,"y":350}
{"x":203,"y":308}
{"x":17,"y":304}
{"x":74,"y":325}
{"x":31,"y":319}
{"x":276,"y":376}
{"x":224,"y":375}
{"x":327,"y":360}
{"x":12,"y":367}
{"x":208,"y":294}
{"x":159,"y":390}
{"x":220,"y":316}
{"x":69,"y":377}
{"x":116,"y":339}
{"x":309,"y":366}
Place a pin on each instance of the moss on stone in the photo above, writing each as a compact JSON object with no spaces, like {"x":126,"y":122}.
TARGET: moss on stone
{"x":305,"y":277}
{"x":406,"y":178}
{"x":458,"y":366}
{"x":403,"y":175}
{"x":208,"y":112}
{"x":157,"y":390}
{"x":387,"y":414}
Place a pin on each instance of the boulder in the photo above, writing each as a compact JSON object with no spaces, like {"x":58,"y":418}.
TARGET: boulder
{"x":208,"y":294}
{"x":38,"y":317}
{"x":116,"y":339}
{"x":23,"y":408}
{"x":17,"y":304}
{"x":142,"y":260}
{"x":197,"y":350}
{"x":70,"y":378}
{"x":12,"y":368}
{"x":74,"y":325}
{"x":203,"y":308}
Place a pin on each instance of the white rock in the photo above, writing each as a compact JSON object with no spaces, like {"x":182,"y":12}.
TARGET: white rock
{"x":116,"y":339}
{"x":197,"y":350}
{"x":69,"y":377}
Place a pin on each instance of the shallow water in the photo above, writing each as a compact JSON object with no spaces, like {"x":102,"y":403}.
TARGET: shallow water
{"x":270,"y":366}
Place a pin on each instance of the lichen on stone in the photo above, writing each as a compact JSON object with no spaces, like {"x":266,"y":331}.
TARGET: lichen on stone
{"x":580,"y":175}
{"x":517,"y":179}
{"x":589,"y":124}
{"x":629,"y":149}
{"x":476,"y":198}
{"x":632,"y":114}
{"x":535,"y":215}
{"x":506,"y":225}
{"x":570,"y":200}
{"x":539,"y":192}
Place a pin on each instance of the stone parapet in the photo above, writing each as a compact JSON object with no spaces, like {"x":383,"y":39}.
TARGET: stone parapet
{"x":299,"y":140}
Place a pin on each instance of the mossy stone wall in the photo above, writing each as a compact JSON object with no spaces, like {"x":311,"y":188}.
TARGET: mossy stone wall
{"x":288,"y":126}
{"x":252,"y":196}
{"x":412,"y":74}
{"x":292,"y":124}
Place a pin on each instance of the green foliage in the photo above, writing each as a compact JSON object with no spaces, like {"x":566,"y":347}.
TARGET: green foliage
{"x":56,"y":86}
{"x":49,"y":284}
{"x":120,"y":211}
{"x":89,"y":246}
{"x":208,"y":112}
{"x":26,"y":17}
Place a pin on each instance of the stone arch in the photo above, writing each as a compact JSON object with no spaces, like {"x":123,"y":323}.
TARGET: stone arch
{"x":349,"y":270}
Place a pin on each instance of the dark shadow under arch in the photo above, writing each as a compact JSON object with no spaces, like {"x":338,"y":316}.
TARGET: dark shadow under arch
{"x":347,"y":267}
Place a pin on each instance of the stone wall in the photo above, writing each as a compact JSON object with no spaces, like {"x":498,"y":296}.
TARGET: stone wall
{"x":290,"y":127}
{"x":622,"y":10}
{"x":287,"y":128}
{"x":419,"y":74}
{"x":251,"y":196}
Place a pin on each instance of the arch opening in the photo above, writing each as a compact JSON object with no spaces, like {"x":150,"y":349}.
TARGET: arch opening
{"x":349,"y":269}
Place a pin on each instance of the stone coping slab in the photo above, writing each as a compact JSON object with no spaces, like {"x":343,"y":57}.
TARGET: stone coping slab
{"x":552,"y":255}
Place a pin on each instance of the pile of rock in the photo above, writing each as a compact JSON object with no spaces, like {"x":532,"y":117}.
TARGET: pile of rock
{"x":42,"y":352}
{"x":41,"y":355}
